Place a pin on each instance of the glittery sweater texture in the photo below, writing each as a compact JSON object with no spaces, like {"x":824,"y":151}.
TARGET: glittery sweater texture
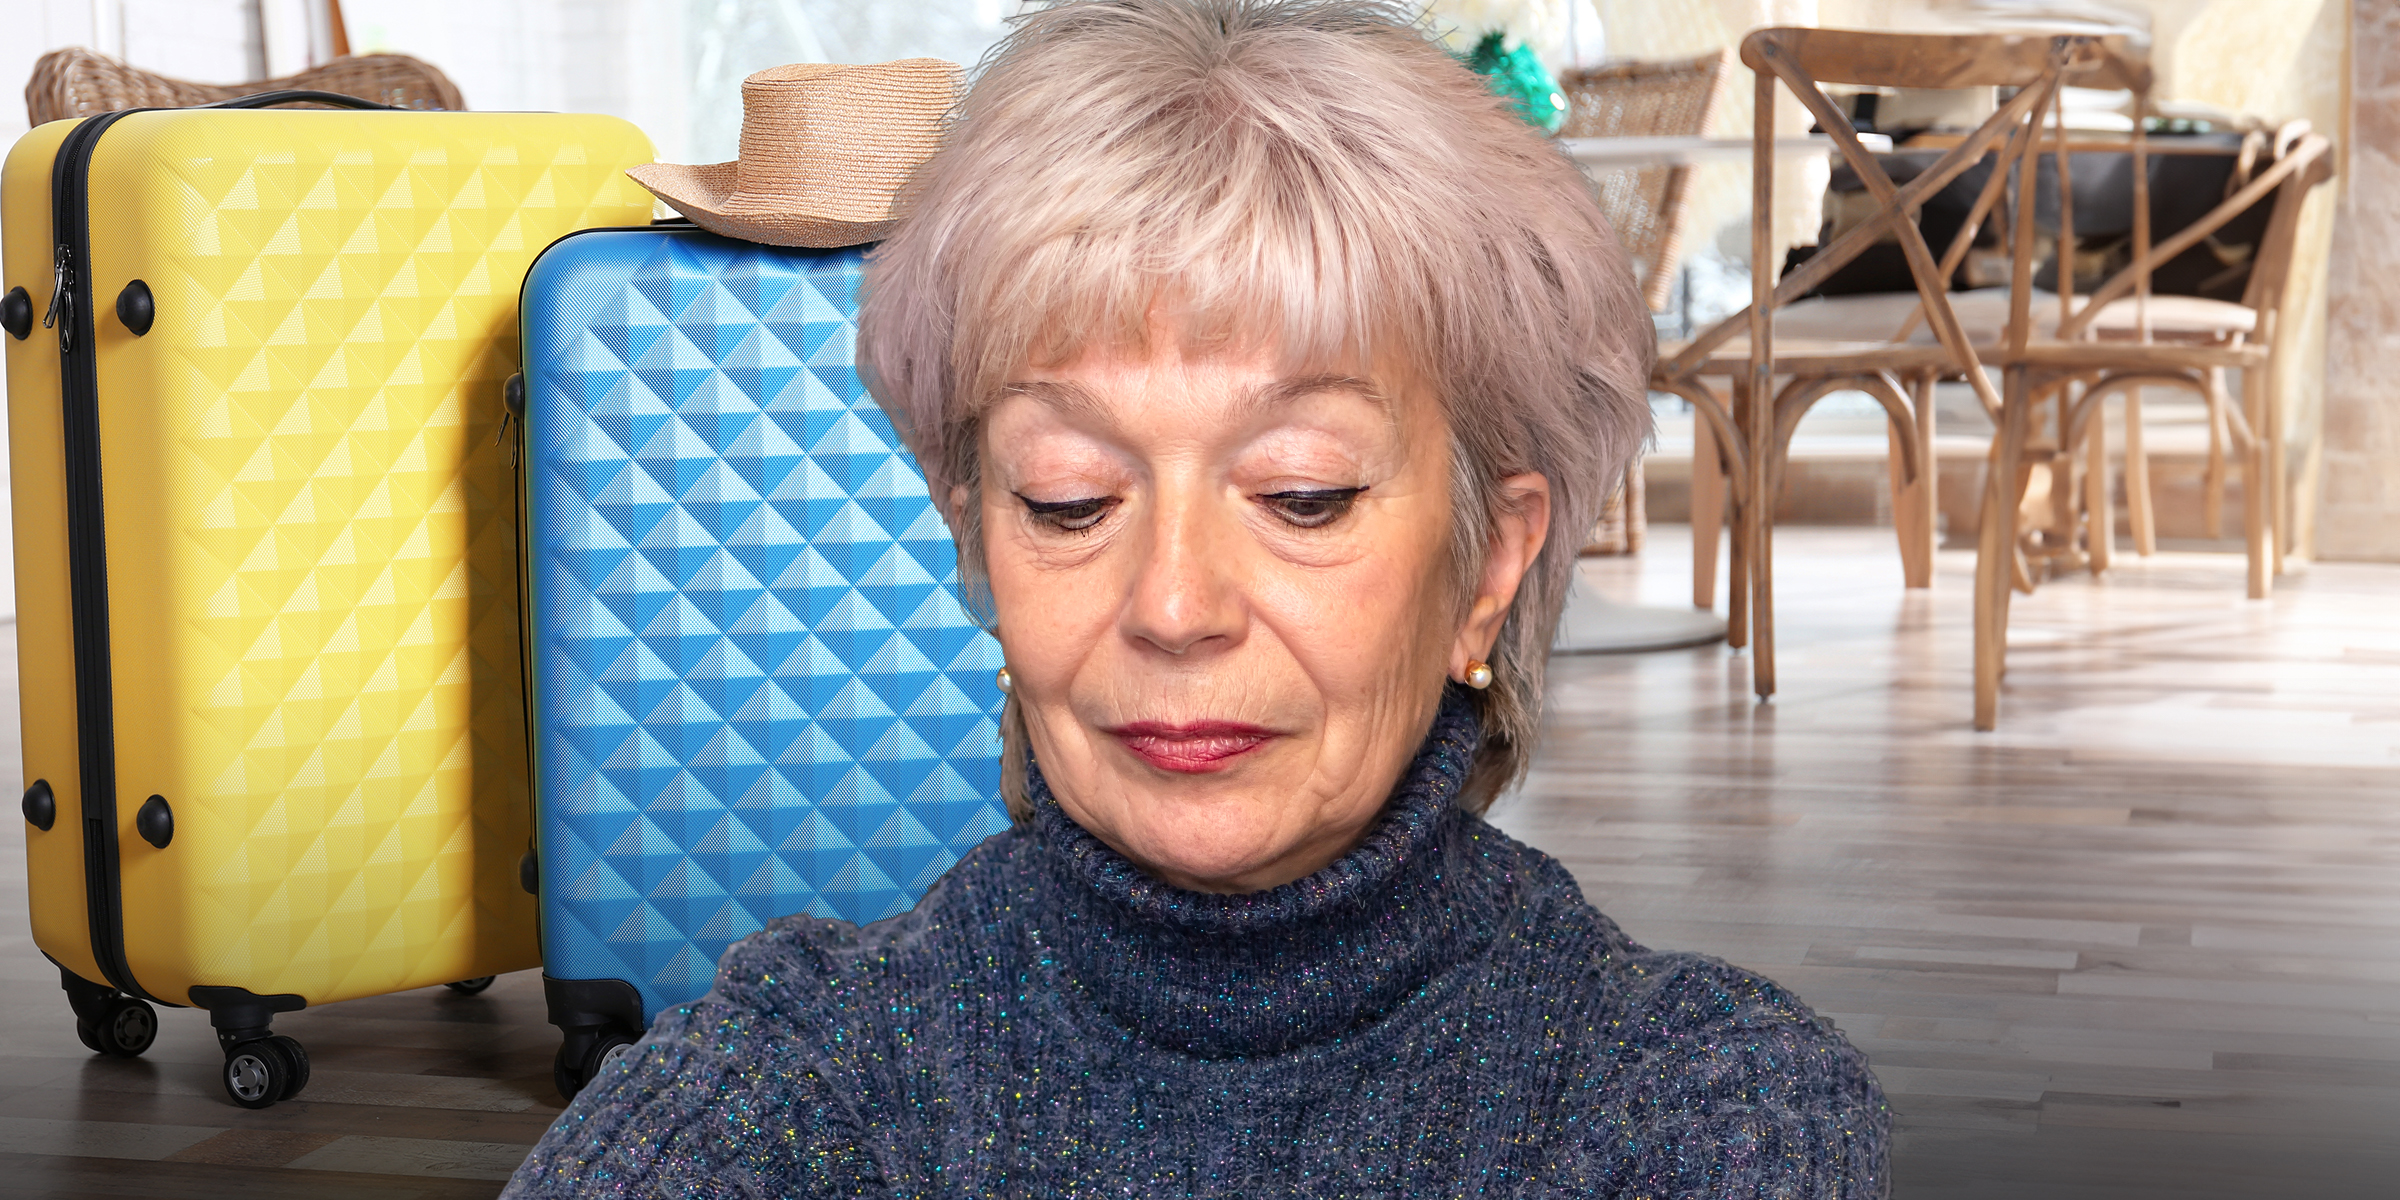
{"x":1436,"y":1014}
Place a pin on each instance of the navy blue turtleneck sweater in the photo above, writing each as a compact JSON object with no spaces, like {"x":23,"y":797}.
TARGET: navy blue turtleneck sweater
{"x":1437,"y":1013}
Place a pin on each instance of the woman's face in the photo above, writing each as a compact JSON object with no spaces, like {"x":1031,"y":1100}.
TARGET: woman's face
{"x":1227,"y":602}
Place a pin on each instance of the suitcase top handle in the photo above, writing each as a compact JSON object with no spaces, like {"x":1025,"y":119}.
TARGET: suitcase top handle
{"x":297,"y":96}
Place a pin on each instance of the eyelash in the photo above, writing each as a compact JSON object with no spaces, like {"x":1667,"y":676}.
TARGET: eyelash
{"x":1330,"y":505}
{"x":1069,"y":516}
{"x":1311,"y":509}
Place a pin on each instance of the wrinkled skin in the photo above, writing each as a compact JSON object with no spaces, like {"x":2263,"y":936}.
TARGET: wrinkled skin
{"x":1173,"y":540}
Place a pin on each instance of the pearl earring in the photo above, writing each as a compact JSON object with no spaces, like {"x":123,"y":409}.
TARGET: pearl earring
{"x":1003,"y":680}
{"x":1479,"y":674}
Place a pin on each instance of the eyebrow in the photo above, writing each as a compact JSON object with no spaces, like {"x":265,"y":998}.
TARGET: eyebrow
{"x":1071,"y":397}
{"x":1284,"y":391}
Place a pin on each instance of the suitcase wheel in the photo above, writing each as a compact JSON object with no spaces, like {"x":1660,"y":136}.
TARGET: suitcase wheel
{"x":470,"y":987}
{"x":256,"y":1073}
{"x":571,"y":1071}
{"x":297,"y":1056}
{"x":259,"y":1073}
{"x":566,"y":1079}
{"x":126,"y":1028}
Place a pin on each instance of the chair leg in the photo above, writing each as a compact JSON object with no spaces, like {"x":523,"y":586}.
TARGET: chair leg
{"x":1737,"y":574}
{"x":1915,"y":505}
{"x":1996,"y":554}
{"x":1637,"y":506}
{"x":2137,"y":479}
{"x":2212,"y":478}
{"x":1762,"y":610}
{"x":1904,"y":509}
{"x":1708,"y":511}
{"x":2258,"y":536}
{"x":2099,"y":510}
{"x":2279,"y":532}
{"x":1741,"y":514}
{"x":1765,"y":456}
{"x":1929,"y":474}
{"x":2066,"y":497}
{"x":2020,"y":571}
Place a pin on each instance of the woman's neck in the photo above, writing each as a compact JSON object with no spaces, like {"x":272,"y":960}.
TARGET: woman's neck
{"x":1264,"y":972}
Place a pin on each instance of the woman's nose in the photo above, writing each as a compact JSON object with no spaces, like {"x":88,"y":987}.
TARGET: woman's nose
{"x":1185,"y":598}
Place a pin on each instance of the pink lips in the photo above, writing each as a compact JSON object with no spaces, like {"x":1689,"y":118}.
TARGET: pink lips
{"x":1194,"y":749}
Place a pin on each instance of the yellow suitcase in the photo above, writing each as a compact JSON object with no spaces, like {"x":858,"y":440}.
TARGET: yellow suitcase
{"x":265,"y":548}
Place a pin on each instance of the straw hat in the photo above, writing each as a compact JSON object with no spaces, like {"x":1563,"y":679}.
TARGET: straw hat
{"x":825,"y":152}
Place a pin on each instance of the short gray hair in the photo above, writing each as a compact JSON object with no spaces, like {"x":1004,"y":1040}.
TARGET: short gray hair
{"x":1313,"y":175}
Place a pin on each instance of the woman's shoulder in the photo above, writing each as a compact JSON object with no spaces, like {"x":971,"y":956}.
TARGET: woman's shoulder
{"x":1647,"y":996}
{"x":1698,"y":1070}
{"x":825,"y":954}
{"x":1672,"y":997}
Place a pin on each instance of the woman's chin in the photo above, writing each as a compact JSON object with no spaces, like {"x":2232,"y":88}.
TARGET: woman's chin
{"x":1259,"y":821}
{"x":1207,"y":848}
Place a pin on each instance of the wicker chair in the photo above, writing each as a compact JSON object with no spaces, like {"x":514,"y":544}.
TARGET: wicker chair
{"x":1646,"y":99}
{"x":1644,"y":204}
{"x":76,"y":82}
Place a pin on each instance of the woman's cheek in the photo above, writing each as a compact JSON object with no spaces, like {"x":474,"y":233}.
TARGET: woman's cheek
{"x":1053,"y":609}
{"x":1358,"y":628}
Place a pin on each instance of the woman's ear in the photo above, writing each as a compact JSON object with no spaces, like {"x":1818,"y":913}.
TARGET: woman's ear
{"x":952,"y":511}
{"x":1519,"y":528}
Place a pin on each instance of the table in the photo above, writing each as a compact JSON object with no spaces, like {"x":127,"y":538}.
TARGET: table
{"x":1607,"y":153}
{"x":1594,"y":624}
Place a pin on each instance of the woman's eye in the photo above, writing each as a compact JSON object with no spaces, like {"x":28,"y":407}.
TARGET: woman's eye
{"x":1070,"y":515}
{"x":1312,"y":509}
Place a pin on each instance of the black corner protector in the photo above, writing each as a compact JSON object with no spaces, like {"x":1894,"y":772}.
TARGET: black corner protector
{"x":585,"y":1003}
{"x":16,"y":313}
{"x":155,"y":822}
{"x":135,"y":307}
{"x":88,"y":999}
{"x":41,"y":808}
{"x":234,"y":1000}
{"x":529,"y":872}
{"x":512,"y":394}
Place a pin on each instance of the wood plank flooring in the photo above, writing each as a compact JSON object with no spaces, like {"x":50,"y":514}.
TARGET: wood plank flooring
{"x":2144,"y":941}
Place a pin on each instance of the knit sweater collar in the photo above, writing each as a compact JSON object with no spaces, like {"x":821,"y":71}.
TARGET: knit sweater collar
{"x":1258,"y":973}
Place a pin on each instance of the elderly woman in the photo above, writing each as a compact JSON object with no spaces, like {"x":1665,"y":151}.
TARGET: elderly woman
{"x":1268,"y":368}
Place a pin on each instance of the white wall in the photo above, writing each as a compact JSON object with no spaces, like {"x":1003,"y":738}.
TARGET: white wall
{"x":638,"y":59}
{"x":673,"y":67}
{"x":213,"y":41}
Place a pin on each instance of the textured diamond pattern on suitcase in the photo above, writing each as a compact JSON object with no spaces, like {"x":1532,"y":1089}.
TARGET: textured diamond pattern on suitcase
{"x":311,"y":555}
{"x":757,"y":692}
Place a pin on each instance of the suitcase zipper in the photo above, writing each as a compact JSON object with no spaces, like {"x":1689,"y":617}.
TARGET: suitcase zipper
{"x":61,"y":282}
{"x":87,"y":546}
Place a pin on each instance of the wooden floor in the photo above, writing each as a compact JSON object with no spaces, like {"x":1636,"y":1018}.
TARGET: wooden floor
{"x":2144,"y":941}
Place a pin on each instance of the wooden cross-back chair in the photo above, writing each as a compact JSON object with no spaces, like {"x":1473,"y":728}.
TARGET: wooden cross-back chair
{"x":2171,"y":319}
{"x":2119,"y":341}
{"x":1747,"y":427}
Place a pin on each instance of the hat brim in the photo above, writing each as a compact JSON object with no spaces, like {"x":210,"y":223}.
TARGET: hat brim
{"x":705,"y":195}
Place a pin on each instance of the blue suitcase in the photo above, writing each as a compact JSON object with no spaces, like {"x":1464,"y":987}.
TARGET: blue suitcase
{"x":755,"y":692}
